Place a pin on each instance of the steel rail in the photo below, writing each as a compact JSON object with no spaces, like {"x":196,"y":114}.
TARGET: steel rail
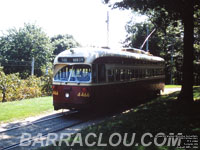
{"x":39,"y":121}
{"x":43,"y":135}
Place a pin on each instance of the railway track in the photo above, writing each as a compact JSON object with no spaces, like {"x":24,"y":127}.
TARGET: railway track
{"x":10,"y":138}
{"x":44,"y":135}
{"x":35,"y":122}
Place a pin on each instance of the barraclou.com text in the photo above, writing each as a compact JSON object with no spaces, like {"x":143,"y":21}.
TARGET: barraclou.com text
{"x":92,"y":139}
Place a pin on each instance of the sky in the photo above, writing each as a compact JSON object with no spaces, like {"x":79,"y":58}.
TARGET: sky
{"x":84,"y":19}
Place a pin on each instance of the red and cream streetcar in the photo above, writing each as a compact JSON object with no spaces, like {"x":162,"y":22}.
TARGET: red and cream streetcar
{"x":95,"y":77}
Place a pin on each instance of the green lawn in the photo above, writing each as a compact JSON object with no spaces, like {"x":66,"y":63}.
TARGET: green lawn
{"x":197,"y":93}
{"x":163,"y":114}
{"x":10,"y":111}
{"x":175,"y":86}
{"x":172,"y":86}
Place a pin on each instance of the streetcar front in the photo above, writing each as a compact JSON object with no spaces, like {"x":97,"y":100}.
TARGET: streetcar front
{"x":71,"y":82}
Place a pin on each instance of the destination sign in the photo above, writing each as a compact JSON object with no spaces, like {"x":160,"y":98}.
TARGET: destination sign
{"x":71,"y":59}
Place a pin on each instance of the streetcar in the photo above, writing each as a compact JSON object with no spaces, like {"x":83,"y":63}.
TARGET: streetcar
{"x":85,"y":78}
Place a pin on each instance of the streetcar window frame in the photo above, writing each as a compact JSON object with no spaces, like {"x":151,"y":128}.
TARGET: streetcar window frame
{"x":77,"y":73}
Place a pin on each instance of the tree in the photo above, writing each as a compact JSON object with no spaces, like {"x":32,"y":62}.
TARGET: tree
{"x":168,"y":44}
{"x":7,"y":83}
{"x":18,"y":47}
{"x":172,"y":10}
{"x":63,"y":42}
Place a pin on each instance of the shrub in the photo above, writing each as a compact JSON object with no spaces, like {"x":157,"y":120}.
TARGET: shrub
{"x":12,"y":87}
{"x":47,"y":83}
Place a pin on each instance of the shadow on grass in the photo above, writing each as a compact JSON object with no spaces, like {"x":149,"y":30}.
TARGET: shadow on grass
{"x":161,"y":115}
{"x":197,"y":93}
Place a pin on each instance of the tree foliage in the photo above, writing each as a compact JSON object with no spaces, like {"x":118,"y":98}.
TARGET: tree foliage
{"x":63,"y":42}
{"x":18,"y":47}
{"x":166,"y":11}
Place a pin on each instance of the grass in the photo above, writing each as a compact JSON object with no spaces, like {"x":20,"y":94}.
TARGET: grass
{"x":172,"y":86}
{"x":10,"y":111}
{"x":175,"y":86}
{"x":196,"y":93}
{"x":163,"y":114}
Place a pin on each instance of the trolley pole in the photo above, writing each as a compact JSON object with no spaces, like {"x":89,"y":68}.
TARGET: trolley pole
{"x":32,"y":66}
{"x":147,"y":38}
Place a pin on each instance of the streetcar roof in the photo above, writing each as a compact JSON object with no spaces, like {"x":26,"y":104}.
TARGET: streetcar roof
{"x":91,"y":54}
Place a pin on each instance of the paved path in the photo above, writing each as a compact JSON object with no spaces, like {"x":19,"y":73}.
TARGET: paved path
{"x":170,"y":90}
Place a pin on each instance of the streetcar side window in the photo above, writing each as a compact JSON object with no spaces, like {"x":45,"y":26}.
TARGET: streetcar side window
{"x":129,"y":73}
{"x":148,"y":73}
{"x":122,"y":74}
{"x":110,"y":75}
{"x":117,"y":74}
{"x":152,"y":72}
{"x":162,"y":71}
{"x":126,"y":74}
{"x":139,"y":73}
{"x":132,"y":74}
{"x":101,"y":73}
{"x":136,"y":73}
{"x":143,"y":73}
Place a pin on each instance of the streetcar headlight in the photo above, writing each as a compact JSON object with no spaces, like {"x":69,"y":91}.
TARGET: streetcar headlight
{"x":67,"y":95}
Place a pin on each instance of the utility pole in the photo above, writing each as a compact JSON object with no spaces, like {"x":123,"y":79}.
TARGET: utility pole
{"x":107,"y":21}
{"x":32,"y":66}
{"x":147,"y":44}
{"x":171,"y":75}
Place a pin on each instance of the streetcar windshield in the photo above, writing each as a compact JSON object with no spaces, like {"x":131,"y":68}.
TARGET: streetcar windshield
{"x":74,"y":73}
